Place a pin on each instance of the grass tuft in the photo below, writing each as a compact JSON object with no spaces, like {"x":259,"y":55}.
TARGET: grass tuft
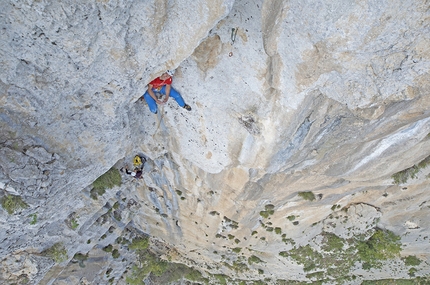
{"x":12,"y":203}
{"x":108,"y":180}
{"x":403,"y":176}
{"x":57,"y":252}
{"x":308,"y":195}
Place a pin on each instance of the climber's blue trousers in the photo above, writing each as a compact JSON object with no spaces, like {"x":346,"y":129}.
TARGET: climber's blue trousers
{"x":173,"y":93}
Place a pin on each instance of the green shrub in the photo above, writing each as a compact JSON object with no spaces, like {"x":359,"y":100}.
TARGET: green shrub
{"x":108,"y":180}
{"x":264,"y":214}
{"x":74,"y":223}
{"x":140,"y":243}
{"x":278,"y":230}
{"x":192,"y":275}
{"x":237,"y":249}
{"x":308,"y":195}
{"x":239,"y":266}
{"x":270,"y":208}
{"x":34,"y":219}
{"x":411,"y":260}
{"x":284,"y":253}
{"x":108,"y":248}
{"x":80,"y":258}
{"x":254,"y":259}
{"x":221,"y":278}
{"x":57,"y":252}
{"x":382,"y":245}
{"x":115,"y":253}
{"x":12,"y":203}
{"x":148,"y":263}
{"x":402,"y":177}
{"x":412,"y":272}
{"x":337,"y":256}
{"x":332,"y":242}
{"x":291,"y":218}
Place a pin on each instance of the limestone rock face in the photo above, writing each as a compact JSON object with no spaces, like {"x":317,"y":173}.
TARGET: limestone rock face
{"x":301,"y":113}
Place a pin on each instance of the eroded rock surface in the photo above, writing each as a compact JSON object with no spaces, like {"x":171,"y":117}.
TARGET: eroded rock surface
{"x":288,"y":97}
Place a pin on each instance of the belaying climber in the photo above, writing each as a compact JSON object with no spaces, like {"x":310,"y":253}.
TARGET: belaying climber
{"x":138,"y":163}
{"x":162,"y":85}
{"x":136,"y":173}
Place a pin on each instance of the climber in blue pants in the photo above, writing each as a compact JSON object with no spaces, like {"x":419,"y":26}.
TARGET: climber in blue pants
{"x":162,"y":85}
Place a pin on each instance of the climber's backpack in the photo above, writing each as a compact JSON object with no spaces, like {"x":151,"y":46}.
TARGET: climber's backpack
{"x":137,"y":161}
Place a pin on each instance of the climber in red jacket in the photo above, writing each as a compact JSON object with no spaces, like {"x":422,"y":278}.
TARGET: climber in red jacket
{"x":162,"y":85}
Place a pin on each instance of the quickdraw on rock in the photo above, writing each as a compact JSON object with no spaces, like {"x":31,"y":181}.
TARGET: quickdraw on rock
{"x":233,"y":39}
{"x":233,"y":35}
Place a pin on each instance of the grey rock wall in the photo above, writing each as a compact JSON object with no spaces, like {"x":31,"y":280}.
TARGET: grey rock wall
{"x":287,"y":97}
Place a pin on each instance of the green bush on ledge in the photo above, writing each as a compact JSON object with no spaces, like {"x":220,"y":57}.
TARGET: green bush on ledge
{"x":308,"y":195}
{"x":108,"y":180}
{"x":57,"y":252}
{"x":12,"y":203}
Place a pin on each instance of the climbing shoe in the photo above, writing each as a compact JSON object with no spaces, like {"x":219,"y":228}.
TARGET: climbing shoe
{"x":187,"y":107}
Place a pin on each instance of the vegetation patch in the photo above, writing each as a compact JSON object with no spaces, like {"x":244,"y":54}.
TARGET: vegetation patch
{"x":80,"y":258}
{"x":416,"y":281}
{"x":291,"y":218}
{"x":33,"y":219}
{"x":221,"y":278}
{"x":268,"y":210}
{"x":411,"y":260}
{"x":254,"y":259}
{"x":412,"y":272}
{"x":382,"y":245}
{"x":239,"y":266}
{"x":12,"y":203}
{"x":308,"y":195}
{"x":335,"y":206}
{"x":337,"y":256}
{"x":148,"y":263}
{"x":57,"y":252}
{"x":232,"y":224}
{"x":108,"y":180}
{"x":74,"y":223}
{"x":402,"y":177}
{"x":140,"y":243}
{"x":115,"y":253}
{"x":108,"y":248}
{"x":237,"y":249}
